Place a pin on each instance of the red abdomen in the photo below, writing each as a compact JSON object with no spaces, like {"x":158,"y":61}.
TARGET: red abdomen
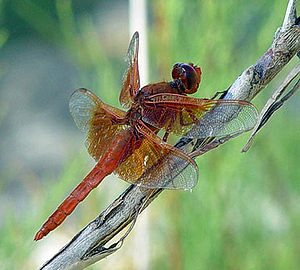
{"x":116,"y":153}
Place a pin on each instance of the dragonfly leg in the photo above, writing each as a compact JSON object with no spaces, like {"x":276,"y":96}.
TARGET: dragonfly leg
{"x":165,"y":137}
{"x":219,"y":93}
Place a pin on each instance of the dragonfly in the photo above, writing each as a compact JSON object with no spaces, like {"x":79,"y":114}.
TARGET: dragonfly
{"x":127,"y":142}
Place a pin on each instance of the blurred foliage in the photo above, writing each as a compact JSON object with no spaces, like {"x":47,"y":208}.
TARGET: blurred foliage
{"x":243,"y":214}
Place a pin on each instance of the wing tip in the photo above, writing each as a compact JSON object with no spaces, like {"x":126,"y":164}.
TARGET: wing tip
{"x":136,"y":34}
{"x":82,"y":90}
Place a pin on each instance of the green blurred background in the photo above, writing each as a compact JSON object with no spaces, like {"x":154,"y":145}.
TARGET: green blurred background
{"x":243,"y":214}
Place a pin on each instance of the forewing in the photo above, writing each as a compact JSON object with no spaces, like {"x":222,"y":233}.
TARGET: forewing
{"x":199,"y":118}
{"x":131,"y":78}
{"x":156,"y":164}
{"x":97,"y":119}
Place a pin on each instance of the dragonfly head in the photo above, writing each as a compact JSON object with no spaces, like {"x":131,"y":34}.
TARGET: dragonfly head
{"x":189,"y":76}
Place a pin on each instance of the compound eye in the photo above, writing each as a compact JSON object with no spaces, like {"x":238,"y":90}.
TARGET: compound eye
{"x":189,"y":75}
{"x":190,"y":79}
{"x":177,"y":71}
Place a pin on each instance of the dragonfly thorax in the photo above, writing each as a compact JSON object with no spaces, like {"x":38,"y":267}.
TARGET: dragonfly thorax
{"x":134,"y":115}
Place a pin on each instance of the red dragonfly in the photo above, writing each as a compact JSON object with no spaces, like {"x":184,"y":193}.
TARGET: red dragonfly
{"x":127,"y":143}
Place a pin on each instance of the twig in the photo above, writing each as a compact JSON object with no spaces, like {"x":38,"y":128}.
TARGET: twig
{"x":87,"y":246}
{"x":273,"y":104}
{"x":290,"y":16}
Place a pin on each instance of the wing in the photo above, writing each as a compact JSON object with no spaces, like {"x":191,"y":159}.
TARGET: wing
{"x":199,"y":118}
{"x":131,"y":79}
{"x":97,"y":119}
{"x":156,"y":164}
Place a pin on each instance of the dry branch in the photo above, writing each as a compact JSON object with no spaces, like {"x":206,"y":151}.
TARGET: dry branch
{"x":87,"y":246}
{"x":273,"y":104}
